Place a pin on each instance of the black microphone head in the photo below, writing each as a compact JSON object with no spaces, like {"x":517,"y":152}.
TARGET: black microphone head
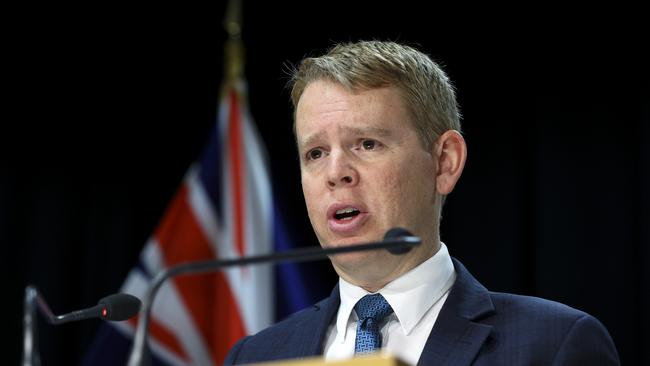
{"x":394,"y":233}
{"x":119,"y":306}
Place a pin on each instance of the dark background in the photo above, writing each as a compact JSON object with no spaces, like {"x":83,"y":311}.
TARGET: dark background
{"x":107,"y":107}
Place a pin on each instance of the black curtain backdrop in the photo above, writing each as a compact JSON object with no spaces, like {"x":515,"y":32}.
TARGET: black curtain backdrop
{"x":107,"y":107}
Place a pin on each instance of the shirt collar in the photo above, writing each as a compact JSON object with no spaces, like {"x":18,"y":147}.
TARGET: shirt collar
{"x":410,"y":295}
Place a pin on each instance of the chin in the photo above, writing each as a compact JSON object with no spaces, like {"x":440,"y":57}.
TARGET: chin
{"x":345,"y":241}
{"x":349,"y":262}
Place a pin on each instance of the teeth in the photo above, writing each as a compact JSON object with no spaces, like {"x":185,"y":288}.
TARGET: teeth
{"x":346,"y":211}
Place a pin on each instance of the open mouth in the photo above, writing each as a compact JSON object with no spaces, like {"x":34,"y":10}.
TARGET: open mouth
{"x":347,"y":218}
{"x":346,"y":213}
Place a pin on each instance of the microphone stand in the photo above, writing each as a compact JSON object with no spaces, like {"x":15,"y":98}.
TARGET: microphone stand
{"x":113,"y":307}
{"x":30,"y":338}
{"x":139,"y":354}
{"x":34,"y":300}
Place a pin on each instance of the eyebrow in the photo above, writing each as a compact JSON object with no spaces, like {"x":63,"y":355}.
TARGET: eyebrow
{"x":363,"y":131}
{"x":310,"y":139}
{"x":355,"y":131}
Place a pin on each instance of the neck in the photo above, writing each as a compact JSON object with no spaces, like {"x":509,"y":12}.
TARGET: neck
{"x":376,"y":275}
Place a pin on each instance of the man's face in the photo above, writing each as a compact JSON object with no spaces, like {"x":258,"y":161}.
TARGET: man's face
{"x":363,"y":172}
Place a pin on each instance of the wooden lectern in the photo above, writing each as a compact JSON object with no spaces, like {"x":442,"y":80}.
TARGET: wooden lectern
{"x":377,"y":359}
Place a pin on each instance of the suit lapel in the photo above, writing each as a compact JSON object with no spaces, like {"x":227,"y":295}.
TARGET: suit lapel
{"x":456,"y":336}
{"x":319,"y":323}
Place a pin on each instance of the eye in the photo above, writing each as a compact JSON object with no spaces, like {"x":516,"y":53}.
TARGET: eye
{"x":369,"y":144}
{"x":314,"y":154}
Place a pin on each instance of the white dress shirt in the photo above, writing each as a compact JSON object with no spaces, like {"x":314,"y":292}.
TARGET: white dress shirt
{"x":416,"y":298}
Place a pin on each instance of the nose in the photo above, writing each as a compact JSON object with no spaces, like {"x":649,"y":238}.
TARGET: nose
{"x":341,"y":172}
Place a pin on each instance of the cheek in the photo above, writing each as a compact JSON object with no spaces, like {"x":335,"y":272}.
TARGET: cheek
{"x":406,"y":186}
{"x":390,"y":188}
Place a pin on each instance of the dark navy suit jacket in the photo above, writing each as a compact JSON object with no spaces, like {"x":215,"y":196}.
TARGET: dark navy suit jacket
{"x":475,"y":326}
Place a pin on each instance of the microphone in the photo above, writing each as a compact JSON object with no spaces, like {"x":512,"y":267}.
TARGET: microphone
{"x":114,"y":307}
{"x":398,"y":233}
{"x":397,"y":241}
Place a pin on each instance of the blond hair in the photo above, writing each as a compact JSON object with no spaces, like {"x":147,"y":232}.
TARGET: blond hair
{"x":427,"y":91}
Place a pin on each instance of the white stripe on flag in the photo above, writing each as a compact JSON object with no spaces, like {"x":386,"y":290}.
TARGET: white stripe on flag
{"x":168,"y":308}
{"x":201,"y":206}
{"x":259,"y":231}
{"x":137,"y":284}
{"x":170,"y":311}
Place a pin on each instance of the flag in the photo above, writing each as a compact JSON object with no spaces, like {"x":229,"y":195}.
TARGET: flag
{"x":223,"y":209}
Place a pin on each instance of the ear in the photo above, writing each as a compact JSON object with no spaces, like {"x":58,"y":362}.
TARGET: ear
{"x":451,"y":152}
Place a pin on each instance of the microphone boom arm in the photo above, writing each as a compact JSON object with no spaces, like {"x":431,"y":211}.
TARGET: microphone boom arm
{"x":137,"y":357}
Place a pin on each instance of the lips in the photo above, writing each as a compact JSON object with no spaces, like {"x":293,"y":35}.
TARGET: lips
{"x":346,"y":218}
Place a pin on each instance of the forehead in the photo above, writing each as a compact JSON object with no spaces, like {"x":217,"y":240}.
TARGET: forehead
{"x":325,"y":105}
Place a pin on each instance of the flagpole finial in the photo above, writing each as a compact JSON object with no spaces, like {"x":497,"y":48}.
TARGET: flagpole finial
{"x":232,"y":22}
{"x":234,"y":48}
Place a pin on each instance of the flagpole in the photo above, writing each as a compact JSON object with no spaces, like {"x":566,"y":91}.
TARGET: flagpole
{"x":234,"y":47}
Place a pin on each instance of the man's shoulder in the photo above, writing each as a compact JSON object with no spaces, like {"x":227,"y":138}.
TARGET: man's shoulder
{"x":526,"y":329}
{"x":530,"y":329}
{"x":536,"y":307}
{"x":538,"y":316}
{"x":477,"y":301}
{"x":298,"y":335}
{"x":543,"y":327}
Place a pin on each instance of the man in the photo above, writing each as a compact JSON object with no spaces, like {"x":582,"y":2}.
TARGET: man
{"x":377,"y":128}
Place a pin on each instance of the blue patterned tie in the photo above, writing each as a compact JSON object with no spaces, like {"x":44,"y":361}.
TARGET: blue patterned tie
{"x":371,"y":310}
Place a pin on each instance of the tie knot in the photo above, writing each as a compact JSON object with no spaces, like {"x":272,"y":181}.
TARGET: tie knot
{"x":374,"y":307}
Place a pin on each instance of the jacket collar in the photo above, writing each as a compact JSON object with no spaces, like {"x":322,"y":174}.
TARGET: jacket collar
{"x":457,"y":335}
{"x":324,"y":313}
